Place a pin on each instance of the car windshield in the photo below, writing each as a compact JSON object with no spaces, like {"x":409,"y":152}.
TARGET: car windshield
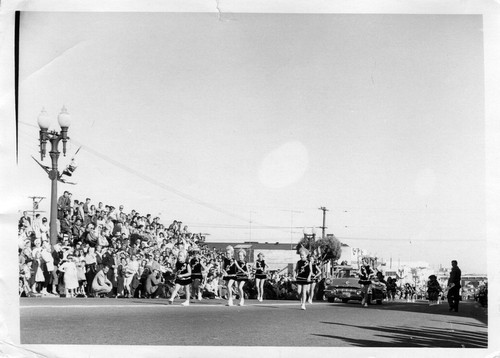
{"x":345,"y":274}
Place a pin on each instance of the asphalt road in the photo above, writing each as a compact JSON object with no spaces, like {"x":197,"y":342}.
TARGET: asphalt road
{"x":270,"y":323}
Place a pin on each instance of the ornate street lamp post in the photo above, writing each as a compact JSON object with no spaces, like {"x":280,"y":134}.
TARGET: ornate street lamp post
{"x":53,"y":137}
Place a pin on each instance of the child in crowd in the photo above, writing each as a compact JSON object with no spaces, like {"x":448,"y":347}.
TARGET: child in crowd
{"x":182,"y":277}
{"x":82,"y":279}
{"x":211,"y":289}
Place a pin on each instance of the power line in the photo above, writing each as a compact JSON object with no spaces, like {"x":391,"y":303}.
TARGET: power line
{"x":403,"y":240}
{"x":162,"y":185}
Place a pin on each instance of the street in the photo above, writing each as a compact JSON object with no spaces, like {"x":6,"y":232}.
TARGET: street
{"x":268,"y":323}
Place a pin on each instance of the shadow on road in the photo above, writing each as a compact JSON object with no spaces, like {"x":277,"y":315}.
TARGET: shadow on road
{"x":468,"y":309}
{"x":413,"y":337}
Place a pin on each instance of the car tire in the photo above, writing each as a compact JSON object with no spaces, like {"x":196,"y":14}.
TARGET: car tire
{"x":379,"y":302}
{"x":345,"y":300}
{"x":331,"y":299}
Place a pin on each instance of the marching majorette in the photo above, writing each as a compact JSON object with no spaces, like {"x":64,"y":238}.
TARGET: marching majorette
{"x":316,"y":273}
{"x":229,"y":273}
{"x":260,"y":276}
{"x":182,"y":277}
{"x":303,"y":272}
{"x":196,"y":274}
{"x":242,"y":274}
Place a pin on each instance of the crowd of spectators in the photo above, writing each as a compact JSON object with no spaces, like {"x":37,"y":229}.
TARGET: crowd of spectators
{"x":104,"y":251}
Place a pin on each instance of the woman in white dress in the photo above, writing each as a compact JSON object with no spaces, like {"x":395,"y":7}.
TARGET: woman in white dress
{"x":70,"y":276}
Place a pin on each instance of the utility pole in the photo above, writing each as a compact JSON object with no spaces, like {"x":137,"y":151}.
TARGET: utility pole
{"x":323,"y":227}
{"x":250,"y":222}
{"x":291,"y":224}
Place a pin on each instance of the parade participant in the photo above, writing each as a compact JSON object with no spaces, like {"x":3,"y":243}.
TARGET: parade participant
{"x":241,"y":275}
{"x":303,"y":272}
{"x":316,"y":273}
{"x":260,"y":276}
{"x":410,"y":293}
{"x":196,"y":274}
{"x":229,"y":273}
{"x":454,"y":286}
{"x":391,"y":289}
{"x":182,"y":277}
{"x":366,"y":273}
{"x":433,"y":290}
{"x":101,"y":283}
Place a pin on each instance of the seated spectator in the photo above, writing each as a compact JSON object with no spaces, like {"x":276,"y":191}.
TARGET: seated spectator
{"x":66,"y":225}
{"x":154,"y":285}
{"x":210,"y":289}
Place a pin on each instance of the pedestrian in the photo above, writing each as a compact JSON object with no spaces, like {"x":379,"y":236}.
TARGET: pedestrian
{"x":303,"y":272}
{"x":241,"y":275}
{"x":454,"y":286}
{"x":229,"y":273}
{"x":182,"y":277}
{"x":260,"y":276}
{"x":433,"y":290}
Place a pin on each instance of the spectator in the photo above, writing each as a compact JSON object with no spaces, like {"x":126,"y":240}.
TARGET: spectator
{"x":63,"y":204}
{"x":101,"y":283}
{"x":154,"y":285}
{"x":66,"y":224}
{"x":25,"y":222}
{"x":70,"y":276}
{"x":131,"y":269}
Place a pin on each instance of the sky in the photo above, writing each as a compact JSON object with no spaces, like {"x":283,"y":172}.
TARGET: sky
{"x":244,"y":127}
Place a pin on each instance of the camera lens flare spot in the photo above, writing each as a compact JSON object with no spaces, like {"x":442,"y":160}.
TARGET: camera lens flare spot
{"x":284,"y":166}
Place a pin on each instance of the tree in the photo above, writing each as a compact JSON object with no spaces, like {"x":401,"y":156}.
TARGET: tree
{"x":325,"y":249}
{"x":329,"y":248}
